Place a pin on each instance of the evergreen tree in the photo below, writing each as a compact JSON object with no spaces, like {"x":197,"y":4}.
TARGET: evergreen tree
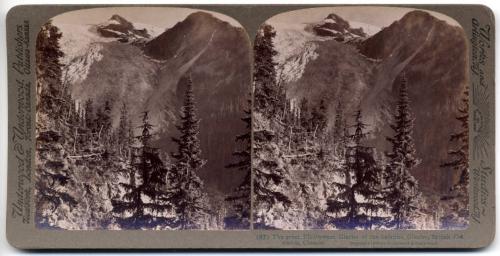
{"x":54,"y":179}
{"x":269,"y":179}
{"x":239,"y":218}
{"x":266,"y":92}
{"x":144,"y":203}
{"x":360,"y":202}
{"x":49,"y":71}
{"x":460,"y":156}
{"x":186,"y":187}
{"x":402,"y":188}
{"x":269,"y":99}
{"x":457,"y":202}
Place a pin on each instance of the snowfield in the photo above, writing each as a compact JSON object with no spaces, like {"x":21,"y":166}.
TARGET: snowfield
{"x":77,"y":39}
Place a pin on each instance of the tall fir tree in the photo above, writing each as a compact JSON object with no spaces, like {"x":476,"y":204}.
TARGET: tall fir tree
{"x":269,"y":99}
{"x":359,"y":203}
{"x":49,"y":71}
{"x":54,"y":179}
{"x":145,"y":201}
{"x":266,"y":91}
{"x":459,"y":161}
{"x":402,"y":188}
{"x":239,"y":216}
{"x":456,"y":212}
{"x":185,"y":187}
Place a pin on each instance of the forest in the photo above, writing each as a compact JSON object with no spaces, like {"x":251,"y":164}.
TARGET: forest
{"x":91,"y":175}
{"x":308,"y":175}
{"x":300,"y":172}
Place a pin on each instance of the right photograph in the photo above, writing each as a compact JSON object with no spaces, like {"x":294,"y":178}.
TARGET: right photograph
{"x":360,"y":120}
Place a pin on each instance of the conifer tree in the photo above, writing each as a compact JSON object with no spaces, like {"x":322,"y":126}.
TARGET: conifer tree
{"x":402,"y":188}
{"x":186,"y":188}
{"x":266,"y":92}
{"x":144,"y":202}
{"x":269,"y":99}
{"x":53,"y":178}
{"x":460,"y":156}
{"x":239,"y":218}
{"x":49,"y":71}
{"x":360,"y":201}
{"x":457,"y":202}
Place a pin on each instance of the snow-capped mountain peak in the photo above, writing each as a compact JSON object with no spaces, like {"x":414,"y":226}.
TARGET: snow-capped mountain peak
{"x":124,"y":30}
{"x":77,"y":39}
{"x":82,"y":43}
{"x":339,"y":29}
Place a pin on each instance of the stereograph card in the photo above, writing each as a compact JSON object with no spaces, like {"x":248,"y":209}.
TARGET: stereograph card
{"x":250,"y":127}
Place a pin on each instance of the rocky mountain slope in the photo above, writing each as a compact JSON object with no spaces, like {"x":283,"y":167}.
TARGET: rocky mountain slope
{"x":338,"y":28}
{"x":431,"y":52}
{"x":147,"y":76}
{"x":119,"y":27}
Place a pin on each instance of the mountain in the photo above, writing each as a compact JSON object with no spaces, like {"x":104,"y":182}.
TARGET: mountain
{"x":338,"y":28}
{"x":297,"y":43}
{"x":217,"y":56}
{"x":431,"y":52}
{"x":78,"y":39}
{"x":433,"y":55}
{"x":149,"y":76}
{"x":123,"y":30}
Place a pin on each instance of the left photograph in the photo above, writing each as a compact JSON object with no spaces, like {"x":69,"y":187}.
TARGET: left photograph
{"x":142,"y":120}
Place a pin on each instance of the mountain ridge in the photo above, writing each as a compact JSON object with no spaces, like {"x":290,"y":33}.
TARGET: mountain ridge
{"x":122,"y":29}
{"x":136,"y":75}
{"x":432,"y":55}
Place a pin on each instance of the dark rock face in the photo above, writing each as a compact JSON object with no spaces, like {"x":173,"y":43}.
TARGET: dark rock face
{"x":218,"y":58}
{"x":432,"y":53}
{"x":119,"y":27}
{"x":340,"y":29}
{"x":433,"y":56}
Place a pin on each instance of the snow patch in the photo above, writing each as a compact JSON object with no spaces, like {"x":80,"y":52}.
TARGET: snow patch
{"x":78,"y":69}
{"x":153,"y":31}
{"x":369,"y":29}
{"x":76,"y":40}
{"x":296,"y":47}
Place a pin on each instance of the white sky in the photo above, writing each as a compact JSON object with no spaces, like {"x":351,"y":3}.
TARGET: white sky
{"x":374,"y":15}
{"x":165,"y":17}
